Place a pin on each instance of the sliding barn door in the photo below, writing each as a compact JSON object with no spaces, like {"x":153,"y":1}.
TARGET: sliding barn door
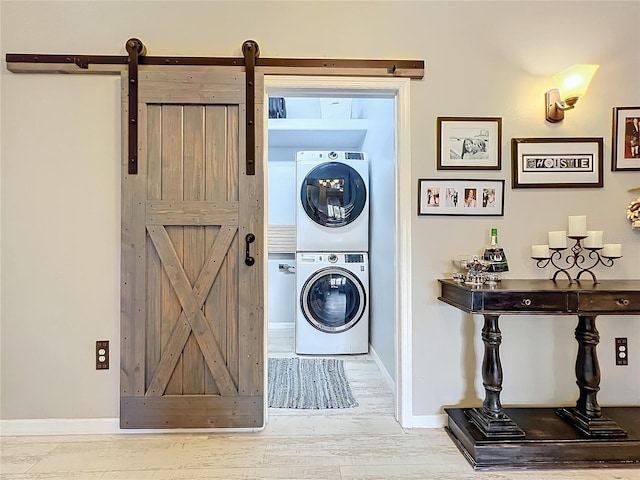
{"x":192,"y":308}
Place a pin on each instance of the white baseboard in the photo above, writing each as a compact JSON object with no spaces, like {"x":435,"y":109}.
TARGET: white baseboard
{"x":385,"y":373}
{"x":427,"y":421}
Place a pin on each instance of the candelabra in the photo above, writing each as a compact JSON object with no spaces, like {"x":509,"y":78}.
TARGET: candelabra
{"x":577,"y":259}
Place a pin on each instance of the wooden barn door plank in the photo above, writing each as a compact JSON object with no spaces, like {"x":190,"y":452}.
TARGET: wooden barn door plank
{"x":133,"y":286}
{"x":149,"y":145}
{"x":171,"y":184}
{"x":218,"y":165}
{"x":193,"y":159}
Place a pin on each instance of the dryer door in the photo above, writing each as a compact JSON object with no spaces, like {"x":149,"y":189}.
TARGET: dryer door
{"x":333,"y":194}
{"x":333,"y":300}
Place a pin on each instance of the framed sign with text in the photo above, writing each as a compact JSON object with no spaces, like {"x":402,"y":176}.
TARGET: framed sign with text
{"x":556,"y":163}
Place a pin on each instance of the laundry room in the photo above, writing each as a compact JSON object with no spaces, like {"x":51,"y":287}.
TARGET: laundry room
{"x":331,"y":218}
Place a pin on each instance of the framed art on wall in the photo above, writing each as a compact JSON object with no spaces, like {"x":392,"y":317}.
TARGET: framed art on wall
{"x":455,"y":196}
{"x":625,"y":146}
{"x":469,"y":143}
{"x":556,"y":162}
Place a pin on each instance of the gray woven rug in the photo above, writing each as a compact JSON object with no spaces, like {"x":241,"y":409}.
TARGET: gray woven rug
{"x":313,"y":383}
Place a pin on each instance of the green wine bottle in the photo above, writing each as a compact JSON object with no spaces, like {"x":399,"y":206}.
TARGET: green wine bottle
{"x":494,"y":254}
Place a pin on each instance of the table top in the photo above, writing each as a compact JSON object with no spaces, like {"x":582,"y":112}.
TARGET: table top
{"x":540,"y":285}
{"x":616,"y":297}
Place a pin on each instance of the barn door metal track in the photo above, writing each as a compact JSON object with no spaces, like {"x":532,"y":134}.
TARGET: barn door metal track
{"x":46,"y":63}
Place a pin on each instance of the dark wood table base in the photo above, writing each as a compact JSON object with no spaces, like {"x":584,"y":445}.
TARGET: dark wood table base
{"x":590,"y":426}
{"x":502,"y":427}
{"x":550,"y":441}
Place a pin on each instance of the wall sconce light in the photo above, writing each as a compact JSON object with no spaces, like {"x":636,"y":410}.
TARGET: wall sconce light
{"x":572,"y":84}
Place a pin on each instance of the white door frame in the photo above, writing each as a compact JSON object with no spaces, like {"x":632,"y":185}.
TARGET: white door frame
{"x":399,"y":89}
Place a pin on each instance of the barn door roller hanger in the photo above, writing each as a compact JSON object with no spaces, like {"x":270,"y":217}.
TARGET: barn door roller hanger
{"x":135,"y":48}
{"x":46,"y":63}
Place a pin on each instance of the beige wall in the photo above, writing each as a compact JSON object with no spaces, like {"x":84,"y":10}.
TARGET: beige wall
{"x":60,"y":177}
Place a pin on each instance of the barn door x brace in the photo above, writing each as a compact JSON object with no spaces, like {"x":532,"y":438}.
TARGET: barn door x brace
{"x":114,"y":64}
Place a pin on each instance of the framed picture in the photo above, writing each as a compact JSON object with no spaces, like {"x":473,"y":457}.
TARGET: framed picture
{"x":469,"y":143}
{"x":460,"y":197}
{"x":625,"y":147}
{"x":556,"y":162}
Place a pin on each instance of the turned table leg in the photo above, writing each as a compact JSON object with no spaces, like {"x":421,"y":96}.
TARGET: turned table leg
{"x":491,"y":419}
{"x":587,"y":414}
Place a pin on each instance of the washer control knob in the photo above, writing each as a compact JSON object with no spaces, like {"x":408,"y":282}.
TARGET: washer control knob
{"x":333,"y":258}
{"x":333,"y":155}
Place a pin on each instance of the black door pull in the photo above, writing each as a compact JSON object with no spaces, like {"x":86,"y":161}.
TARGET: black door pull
{"x":248,"y":259}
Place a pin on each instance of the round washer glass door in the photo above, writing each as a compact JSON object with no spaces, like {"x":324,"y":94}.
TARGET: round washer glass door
{"x":333,"y":194}
{"x":333,"y":300}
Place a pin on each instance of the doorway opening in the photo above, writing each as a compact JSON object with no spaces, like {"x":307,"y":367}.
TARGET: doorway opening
{"x":350,"y":114}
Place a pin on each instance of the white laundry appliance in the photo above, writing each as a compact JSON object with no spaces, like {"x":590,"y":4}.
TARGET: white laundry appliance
{"x":332,"y":213}
{"x":332,"y":315}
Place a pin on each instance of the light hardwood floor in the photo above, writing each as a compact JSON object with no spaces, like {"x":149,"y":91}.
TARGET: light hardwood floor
{"x":363,"y":443}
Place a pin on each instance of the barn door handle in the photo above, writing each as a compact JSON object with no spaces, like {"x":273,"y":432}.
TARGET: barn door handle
{"x":248,"y":259}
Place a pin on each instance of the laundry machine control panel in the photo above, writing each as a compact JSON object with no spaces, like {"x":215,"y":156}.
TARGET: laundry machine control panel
{"x":354,"y":258}
{"x":334,"y":155}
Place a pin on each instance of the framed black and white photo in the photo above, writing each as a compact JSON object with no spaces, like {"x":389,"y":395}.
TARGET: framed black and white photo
{"x":556,"y":162}
{"x":455,"y":196}
{"x":625,"y":147}
{"x":469,"y":143}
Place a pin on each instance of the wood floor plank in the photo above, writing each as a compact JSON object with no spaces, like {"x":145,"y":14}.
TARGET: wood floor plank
{"x":246,"y":473}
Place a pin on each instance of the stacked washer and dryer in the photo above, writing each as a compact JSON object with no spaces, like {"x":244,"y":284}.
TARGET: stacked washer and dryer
{"x":332,"y":243}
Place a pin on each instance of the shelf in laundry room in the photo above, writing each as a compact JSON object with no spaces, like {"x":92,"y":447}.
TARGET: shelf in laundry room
{"x":282,"y":238}
{"x":305,"y":133}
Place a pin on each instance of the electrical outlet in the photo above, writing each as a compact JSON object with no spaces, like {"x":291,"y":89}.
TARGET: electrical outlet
{"x":102,"y":355}
{"x":622,"y":351}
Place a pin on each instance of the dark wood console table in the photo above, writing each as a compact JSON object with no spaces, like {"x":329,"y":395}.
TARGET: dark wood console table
{"x":585,"y":435}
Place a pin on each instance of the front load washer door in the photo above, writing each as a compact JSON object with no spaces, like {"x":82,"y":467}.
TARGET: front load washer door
{"x":333,"y":300}
{"x":333,"y":194}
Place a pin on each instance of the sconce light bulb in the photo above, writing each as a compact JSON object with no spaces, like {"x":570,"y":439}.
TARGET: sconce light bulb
{"x":572,"y":84}
{"x":573,"y":81}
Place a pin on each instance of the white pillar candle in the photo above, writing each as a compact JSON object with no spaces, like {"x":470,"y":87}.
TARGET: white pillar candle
{"x":558,"y":239}
{"x":612,"y":250}
{"x":594,"y":239}
{"x":540,"y":251}
{"x":578,"y":226}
